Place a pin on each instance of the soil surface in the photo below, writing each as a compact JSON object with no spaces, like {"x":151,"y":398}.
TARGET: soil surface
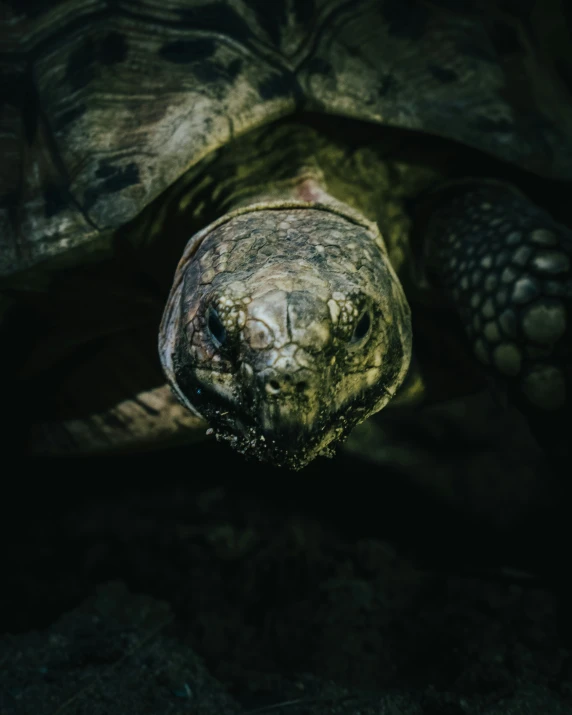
{"x":423,"y":570}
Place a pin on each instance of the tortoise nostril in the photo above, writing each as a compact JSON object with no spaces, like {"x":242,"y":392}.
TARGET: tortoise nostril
{"x":284,"y":385}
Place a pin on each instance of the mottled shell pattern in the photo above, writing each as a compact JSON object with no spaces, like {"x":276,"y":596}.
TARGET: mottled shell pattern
{"x":106,"y":103}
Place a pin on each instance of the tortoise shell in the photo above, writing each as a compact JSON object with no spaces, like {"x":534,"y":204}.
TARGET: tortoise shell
{"x":106,"y":104}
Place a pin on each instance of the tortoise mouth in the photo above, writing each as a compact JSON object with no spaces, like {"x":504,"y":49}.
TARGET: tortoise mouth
{"x":289,"y":448}
{"x":287,"y":444}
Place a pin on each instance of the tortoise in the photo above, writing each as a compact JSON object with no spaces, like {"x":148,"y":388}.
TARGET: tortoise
{"x":333,"y":164}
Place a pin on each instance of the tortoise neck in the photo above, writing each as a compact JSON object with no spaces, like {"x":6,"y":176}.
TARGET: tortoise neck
{"x":303,"y":186}
{"x":280,"y":163}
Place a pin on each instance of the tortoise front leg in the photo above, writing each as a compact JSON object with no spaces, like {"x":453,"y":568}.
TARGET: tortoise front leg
{"x":505,"y":264}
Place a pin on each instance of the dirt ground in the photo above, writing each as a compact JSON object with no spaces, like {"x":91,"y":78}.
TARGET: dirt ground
{"x":428,"y":577}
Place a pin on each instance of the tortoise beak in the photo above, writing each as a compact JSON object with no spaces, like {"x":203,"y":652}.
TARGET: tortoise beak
{"x":287,"y":423}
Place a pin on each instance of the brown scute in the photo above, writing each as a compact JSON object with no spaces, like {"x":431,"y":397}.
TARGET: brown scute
{"x":252,"y":65}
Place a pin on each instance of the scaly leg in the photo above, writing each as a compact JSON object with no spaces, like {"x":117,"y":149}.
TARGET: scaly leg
{"x":506,"y":265}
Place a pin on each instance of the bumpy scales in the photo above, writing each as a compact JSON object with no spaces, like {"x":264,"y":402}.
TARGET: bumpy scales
{"x":506,"y":265}
{"x":286,"y":327}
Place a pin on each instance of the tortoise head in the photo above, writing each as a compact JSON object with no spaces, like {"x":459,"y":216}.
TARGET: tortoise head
{"x":286,"y":326}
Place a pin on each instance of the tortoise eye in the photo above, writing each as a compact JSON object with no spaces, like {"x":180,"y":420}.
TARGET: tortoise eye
{"x":216,"y":328}
{"x":362,"y":328}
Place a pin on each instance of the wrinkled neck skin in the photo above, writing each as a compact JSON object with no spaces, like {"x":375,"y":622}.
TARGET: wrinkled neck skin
{"x":286,"y":325}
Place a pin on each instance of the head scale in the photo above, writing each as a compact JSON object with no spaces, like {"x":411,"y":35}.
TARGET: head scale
{"x":286,"y":326}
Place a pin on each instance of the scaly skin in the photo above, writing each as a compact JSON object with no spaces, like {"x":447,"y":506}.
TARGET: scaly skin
{"x":287,"y":324}
{"x":506,"y":265}
{"x":286,"y":327}
{"x":289,"y":274}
